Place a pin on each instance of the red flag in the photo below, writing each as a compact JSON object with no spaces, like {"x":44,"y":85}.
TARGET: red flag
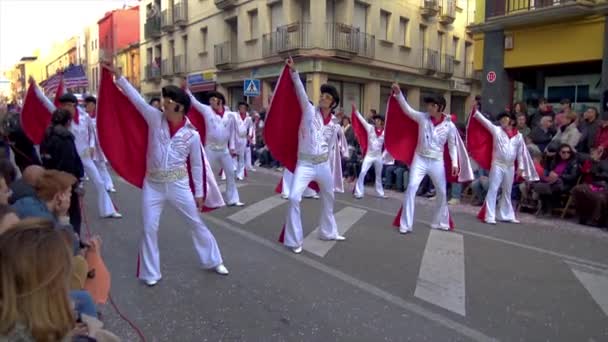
{"x":59,"y":93}
{"x":400,"y":133}
{"x":359,"y":130}
{"x":479,"y":142}
{"x":123,"y":132}
{"x":35,"y":116}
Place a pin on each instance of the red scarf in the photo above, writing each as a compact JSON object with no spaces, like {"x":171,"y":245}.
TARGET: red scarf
{"x":220,"y":113}
{"x":327,"y":119}
{"x":378,"y":132}
{"x":76,"y":117}
{"x":243,"y":116}
{"x":174,"y":127}
{"x":437,"y":121}
{"x":511,"y":132}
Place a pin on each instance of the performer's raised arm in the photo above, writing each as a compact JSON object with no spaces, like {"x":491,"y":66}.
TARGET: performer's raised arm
{"x":300,"y":90}
{"x":150,"y":113}
{"x":362,"y":120}
{"x":48,"y":104}
{"x":196,"y":165}
{"x":485,"y":122}
{"x":205,"y":110}
{"x":405,"y":106}
{"x":90,"y":126}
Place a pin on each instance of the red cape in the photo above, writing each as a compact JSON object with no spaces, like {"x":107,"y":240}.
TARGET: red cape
{"x":360,"y":132}
{"x":479,"y":143}
{"x":198,"y":120}
{"x":35,"y":116}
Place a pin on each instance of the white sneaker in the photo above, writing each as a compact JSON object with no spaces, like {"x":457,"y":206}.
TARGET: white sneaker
{"x":316,"y":196}
{"x":252,"y":170}
{"x":237,"y":204}
{"x":297,"y":250}
{"x":284,"y":196}
{"x":111,"y":190}
{"x":151,"y":283}
{"x":404,"y":230}
{"x":221,"y":269}
{"x":490,"y":221}
{"x":337,"y":238}
{"x":358,"y":196}
{"x":516,"y":221}
{"x":115,"y":215}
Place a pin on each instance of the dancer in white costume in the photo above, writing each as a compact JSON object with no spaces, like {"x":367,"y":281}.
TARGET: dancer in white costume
{"x":509,"y":149}
{"x":243,"y":128}
{"x":84,"y":140}
{"x":373,"y":155}
{"x":98,"y":157}
{"x":317,"y":136}
{"x":220,"y":141}
{"x":172,"y":142}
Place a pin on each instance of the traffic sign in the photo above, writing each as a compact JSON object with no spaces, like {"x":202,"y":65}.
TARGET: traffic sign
{"x":491,"y":76}
{"x":251,"y":87}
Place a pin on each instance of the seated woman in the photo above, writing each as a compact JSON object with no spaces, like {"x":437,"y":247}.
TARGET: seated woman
{"x":591,"y":197}
{"x":561,"y":179}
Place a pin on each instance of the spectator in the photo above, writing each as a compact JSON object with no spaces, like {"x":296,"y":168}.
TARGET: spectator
{"x":588,"y":128}
{"x":22,"y":146}
{"x":562,"y":177}
{"x":522,"y":126}
{"x":567,"y":134}
{"x":566,"y":108}
{"x":480,"y":186}
{"x":396,"y":176}
{"x":543,"y":133}
{"x":520,"y":108}
{"x":601,"y":137}
{"x":591,"y":198}
{"x":59,"y":153}
{"x":544,"y":109}
{"x":8,"y":217}
{"x":24,"y":186}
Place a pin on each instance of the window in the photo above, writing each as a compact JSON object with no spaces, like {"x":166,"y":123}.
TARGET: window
{"x":385,"y":19}
{"x":456,"y":48}
{"x":441,"y":41}
{"x":330,"y":11}
{"x":276,"y":16}
{"x":253,"y":24}
{"x":185,"y":43}
{"x":360,"y":16}
{"x":149,"y":55}
{"x":422,"y":38}
{"x":350,"y":93}
{"x":204,"y":39}
{"x":404,"y":32}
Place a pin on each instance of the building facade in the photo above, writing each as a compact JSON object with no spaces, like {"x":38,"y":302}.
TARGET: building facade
{"x":91,"y":58}
{"x":528,"y":49}
{"x":118,"y":29}
{"x":61,"y":55}
{"x":360,"y":46}
{"x":127,"y":61}
{"x":19,"y":75}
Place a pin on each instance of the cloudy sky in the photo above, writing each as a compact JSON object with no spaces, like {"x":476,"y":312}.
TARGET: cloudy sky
{"x":26,"y":25}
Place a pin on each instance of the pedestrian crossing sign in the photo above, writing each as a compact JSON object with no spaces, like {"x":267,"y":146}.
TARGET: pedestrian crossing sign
{"x":251,"y":87}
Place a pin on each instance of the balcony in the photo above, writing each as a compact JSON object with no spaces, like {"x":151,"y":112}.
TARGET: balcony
{"x":429,"y":8}
{"x":446,"y":66}
{"x":287,"y":40}
{"x":180,"y":13}
{"x":447,"y":12}
{"x":166,"y":69}
{"x":179,"y":65}
{"x":513,"y":13}
{"x":470,"y":74}
{"x":429,"y":61}
{"x":166,"y":21}
{"x":346,"y":41}
{"x":225,"y":4}
{"x":152,"y":72}
{"x":152,"y":28}
{"x":224,"y":57}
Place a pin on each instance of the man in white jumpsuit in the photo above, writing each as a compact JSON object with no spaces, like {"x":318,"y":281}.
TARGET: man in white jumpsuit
{"x":220,"y":141}
{"x":84,"y":140}
{"x":172,"y":142}
{"x":434,"y":129}
{"x":316,"y":136}
{"x":373,"y":156}
{"x":509,"y":146}
{"x":243,"y":131}
{"x":98,"y":157}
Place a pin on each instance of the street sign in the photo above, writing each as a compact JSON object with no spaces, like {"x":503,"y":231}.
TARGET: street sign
{"x":251,"y":87}
{"x":491,"y":76}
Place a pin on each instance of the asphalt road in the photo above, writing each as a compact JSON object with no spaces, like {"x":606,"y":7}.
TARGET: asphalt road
{"x":538,"y":281}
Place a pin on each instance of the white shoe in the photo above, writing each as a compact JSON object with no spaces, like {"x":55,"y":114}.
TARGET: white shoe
{"x":404,"y":230}
{"x":358,"y":196}
{"x":284,"y":196}
{"x":237,"y":204}
{"x":382,"y":196}
{"x":296,"y":250}
{"x":151,"y":283}
{"x":221,"y":269}
{"x":490,"y":222}
{"x":111,"y":190}
{"x":252,"y":170}
{"x":316,"y":196}
{"x":115,"y":215}
{"x":516,"y":221}
{"x":240,"y":178}
{"x":337,"y":238}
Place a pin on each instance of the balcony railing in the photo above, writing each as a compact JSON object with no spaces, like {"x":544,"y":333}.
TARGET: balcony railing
{"x":348,"y":41}
{"x":429,"y":61}
{"x":152,"y":72}
{"x":505,"y":7}
{"x":166,"y":68}
{"x":446,"y":65}
{"x":288,"y":38}
{"x":224,"y":4}
{"x":152,"y":28}
{"x":180,"y":13}
{"x":429,"y":8}
{"x":179,"y":64}
{"x":447,"y":12}
{"x":166,"y":22}
{"x":224,"y":58}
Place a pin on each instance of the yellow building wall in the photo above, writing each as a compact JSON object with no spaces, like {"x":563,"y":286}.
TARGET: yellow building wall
{"x":129,"y":61}
{"x":577,"y":41}
{"x":480,"y":11}
{"x":478,"y":51}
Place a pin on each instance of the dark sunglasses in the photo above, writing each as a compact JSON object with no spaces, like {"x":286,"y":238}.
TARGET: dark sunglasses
{"x":565,"y":152}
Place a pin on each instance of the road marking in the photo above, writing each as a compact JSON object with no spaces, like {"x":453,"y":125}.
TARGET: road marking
{"x":441,"y":280}
{"x":345,"y":219}
{"x":595,"y":281}
{"x":256,"y":209}
{"x":488,"y":237}
{"x":414,"y":308}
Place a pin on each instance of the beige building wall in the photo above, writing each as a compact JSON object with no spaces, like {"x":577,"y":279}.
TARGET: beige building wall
{"x":397,"y":46}
{"x":92,"y":57}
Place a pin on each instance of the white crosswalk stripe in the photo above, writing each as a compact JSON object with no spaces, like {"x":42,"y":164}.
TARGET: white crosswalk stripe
{"x":441,"y":280}
{"x":345,"y":219}
{"x":256,"y":209}
{"x":595,"y":280}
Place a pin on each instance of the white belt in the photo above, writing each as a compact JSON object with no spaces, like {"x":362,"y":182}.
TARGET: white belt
{"x":504,"y":164}
{"x":315,"y":159}
{"x":374,"y":153}
{"x":167,"y":176}
{"x":431,"y":154}
{"x":217,"y":147}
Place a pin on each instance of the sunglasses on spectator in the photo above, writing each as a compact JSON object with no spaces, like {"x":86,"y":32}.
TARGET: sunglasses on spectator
{"x":565,"y":152}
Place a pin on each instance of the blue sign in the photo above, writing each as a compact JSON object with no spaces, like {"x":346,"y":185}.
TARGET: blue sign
{"x":251,"y":87}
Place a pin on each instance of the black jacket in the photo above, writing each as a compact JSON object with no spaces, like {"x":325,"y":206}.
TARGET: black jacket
{"x":570,"y":175}
{"x":58,"y":151}
{"x":588,"y":134}
{"x":540,"y":138}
